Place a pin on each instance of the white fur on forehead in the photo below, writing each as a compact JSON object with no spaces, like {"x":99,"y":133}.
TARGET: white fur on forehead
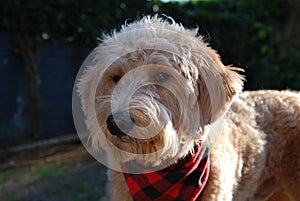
{"x":158,"y":34}
{"x":150,"y":33}
{"x":157,"y":28}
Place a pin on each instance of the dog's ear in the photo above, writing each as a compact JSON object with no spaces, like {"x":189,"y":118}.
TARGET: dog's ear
{"x":86,"y":87}
{"x":216,"y":84}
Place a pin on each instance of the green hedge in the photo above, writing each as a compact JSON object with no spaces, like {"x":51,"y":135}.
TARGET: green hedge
{"x":253,"y":34}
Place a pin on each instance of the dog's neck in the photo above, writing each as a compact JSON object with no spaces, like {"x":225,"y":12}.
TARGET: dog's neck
{"x":214,"y":130}
{"x":184,"y":180}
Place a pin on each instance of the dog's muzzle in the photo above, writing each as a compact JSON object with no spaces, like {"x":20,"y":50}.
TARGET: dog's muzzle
{"x":119,"y":124}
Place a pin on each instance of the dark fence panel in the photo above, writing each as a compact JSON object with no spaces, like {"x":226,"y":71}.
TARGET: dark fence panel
{"x":58,"y":67}
{"x":11,"y":91}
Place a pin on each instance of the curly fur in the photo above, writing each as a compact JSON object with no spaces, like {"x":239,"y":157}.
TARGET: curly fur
{"x":254,"y":136}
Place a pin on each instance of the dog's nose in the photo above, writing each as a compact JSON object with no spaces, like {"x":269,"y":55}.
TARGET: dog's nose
{"x":119,"y":124}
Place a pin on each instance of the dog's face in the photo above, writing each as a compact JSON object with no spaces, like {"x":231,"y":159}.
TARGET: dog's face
{"x":153,"y":92}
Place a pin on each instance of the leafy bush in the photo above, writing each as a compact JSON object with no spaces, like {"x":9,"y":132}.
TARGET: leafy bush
{"x":252,"y":34}
{"x":255,"y":35}
{"x":81,"y":20}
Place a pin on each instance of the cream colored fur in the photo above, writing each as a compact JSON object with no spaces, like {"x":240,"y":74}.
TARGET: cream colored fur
{"x":254,"y":136}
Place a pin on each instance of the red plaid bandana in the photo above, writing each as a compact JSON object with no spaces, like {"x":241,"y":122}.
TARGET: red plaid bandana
{"x":183,"y":181}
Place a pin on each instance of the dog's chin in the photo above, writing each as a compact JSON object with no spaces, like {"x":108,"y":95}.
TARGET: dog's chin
{"x":162,"y":147}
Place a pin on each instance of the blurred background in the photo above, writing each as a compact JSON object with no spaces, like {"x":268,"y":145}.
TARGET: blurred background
{"x":43,"y":44}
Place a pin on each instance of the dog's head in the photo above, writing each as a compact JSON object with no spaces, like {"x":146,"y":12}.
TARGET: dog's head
{"x":154,"y":90}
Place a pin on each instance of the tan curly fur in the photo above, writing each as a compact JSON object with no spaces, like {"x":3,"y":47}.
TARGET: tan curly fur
{"x":254,"y":136}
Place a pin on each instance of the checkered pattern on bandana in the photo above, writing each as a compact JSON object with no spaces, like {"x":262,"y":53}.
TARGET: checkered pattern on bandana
{"x":183,"y":181}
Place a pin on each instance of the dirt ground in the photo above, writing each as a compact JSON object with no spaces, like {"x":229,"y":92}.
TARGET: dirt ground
{"x":59,"y":173}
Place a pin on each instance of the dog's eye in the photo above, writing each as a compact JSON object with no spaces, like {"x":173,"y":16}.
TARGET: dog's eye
{"x":161,"y":77}
{"x":116,"y":78}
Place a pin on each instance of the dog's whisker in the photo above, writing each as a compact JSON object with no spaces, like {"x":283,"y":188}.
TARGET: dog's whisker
{"x":101,"y":98}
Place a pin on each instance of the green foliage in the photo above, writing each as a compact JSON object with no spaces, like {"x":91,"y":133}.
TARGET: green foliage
{"x":80,"y":20}
{"x":251,"y":34}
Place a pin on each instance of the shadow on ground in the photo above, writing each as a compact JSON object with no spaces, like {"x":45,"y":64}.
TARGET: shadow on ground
{"x":59,"y":173}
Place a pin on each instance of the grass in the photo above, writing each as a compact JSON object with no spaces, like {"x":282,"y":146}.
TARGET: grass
{"x":2,"y":179}
{"x":80,"y":190}
{"x":78,"y":180}
{"x":47,"y":171}
{"x":52,"y":180}
{"x":93,"y":194}
{"x":25,"y":176}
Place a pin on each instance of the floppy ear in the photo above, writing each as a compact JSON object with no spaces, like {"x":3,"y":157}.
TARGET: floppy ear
{"x":85,"y":87}
{"x":217,"y":84}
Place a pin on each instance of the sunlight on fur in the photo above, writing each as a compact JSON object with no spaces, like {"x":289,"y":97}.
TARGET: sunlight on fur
{"x":156,"y":90}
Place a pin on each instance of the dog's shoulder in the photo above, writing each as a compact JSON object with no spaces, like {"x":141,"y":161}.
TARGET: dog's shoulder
{"x":268,"y":112}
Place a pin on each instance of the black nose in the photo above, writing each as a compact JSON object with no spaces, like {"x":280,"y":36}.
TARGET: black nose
{"x":119,"y":124}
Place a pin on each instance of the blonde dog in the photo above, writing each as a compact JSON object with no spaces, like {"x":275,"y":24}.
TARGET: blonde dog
{"x":177,"y":126}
